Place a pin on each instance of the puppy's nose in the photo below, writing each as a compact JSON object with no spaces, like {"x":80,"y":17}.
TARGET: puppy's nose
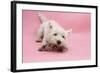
{"x":58,"y":42}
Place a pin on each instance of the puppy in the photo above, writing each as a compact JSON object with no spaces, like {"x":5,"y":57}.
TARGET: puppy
{"x":51,"y":33}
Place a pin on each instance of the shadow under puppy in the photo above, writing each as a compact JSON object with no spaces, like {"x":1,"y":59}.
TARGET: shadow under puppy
{"x":52,"y":36}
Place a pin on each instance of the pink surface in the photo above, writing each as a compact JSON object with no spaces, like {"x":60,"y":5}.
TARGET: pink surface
{"x":79,"y":43}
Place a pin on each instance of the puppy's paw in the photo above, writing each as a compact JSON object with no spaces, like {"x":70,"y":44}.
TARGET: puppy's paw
{"x":43,"y":48}
{"x":65,"y":50}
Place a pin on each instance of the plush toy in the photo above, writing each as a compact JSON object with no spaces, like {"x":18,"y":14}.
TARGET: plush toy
{"x":53,"y":48}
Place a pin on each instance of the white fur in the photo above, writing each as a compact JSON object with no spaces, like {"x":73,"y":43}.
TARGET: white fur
{"x":48,"y":29}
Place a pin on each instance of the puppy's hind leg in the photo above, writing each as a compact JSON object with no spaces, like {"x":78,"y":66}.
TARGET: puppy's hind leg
{"x":42,"y":18}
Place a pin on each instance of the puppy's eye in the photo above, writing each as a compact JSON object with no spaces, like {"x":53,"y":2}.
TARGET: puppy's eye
{"x":55,"y":34}
{"x":63,"y":36}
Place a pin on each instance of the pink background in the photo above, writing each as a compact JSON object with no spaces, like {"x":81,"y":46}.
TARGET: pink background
{"x":79,"y":43}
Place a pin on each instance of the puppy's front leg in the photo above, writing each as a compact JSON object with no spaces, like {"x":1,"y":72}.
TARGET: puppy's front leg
{"x":65,"y":47}
{"x":44,"y":45}
{"x":44,"y":41}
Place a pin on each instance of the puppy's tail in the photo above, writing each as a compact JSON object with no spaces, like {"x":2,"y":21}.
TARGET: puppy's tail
{"x":42,"y":18}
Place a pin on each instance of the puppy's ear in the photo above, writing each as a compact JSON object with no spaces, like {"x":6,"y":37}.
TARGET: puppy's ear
{"x":69,"y":31}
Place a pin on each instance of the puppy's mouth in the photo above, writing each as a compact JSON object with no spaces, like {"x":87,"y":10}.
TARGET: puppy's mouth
{"x":54,"y":45}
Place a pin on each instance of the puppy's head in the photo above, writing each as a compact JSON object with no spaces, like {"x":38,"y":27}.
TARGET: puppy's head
{"x":58,"y":36}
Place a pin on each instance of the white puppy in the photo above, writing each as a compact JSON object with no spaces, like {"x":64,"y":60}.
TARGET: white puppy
{"x":50,"y":32}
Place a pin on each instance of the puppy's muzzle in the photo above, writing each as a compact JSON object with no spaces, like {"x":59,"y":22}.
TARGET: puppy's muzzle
{"x":58,"y":42}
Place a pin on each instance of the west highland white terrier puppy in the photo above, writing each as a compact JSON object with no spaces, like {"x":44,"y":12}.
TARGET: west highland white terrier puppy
{"x":52,"y":36}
